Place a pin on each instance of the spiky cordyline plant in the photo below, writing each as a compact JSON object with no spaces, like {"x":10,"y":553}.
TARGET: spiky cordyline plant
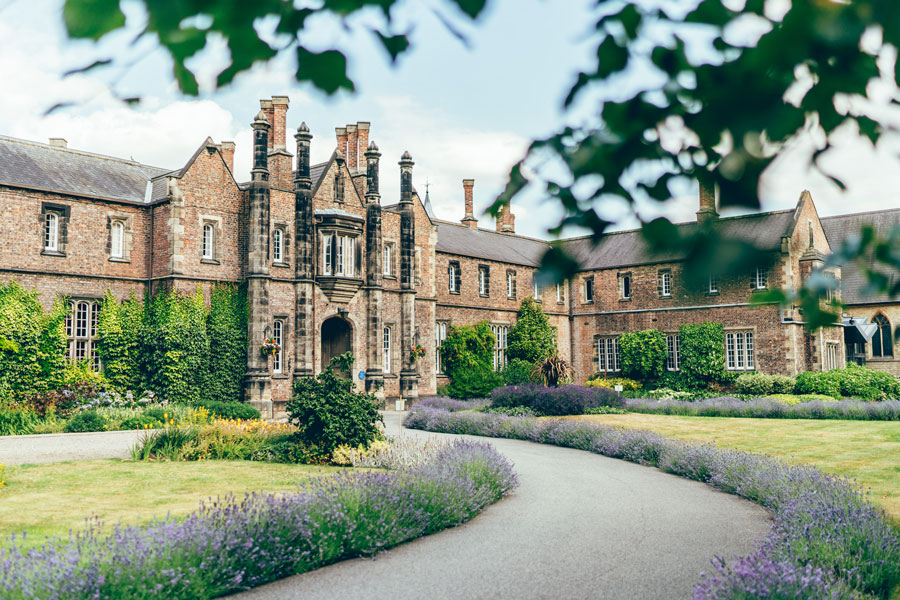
{"x":552,"y":370}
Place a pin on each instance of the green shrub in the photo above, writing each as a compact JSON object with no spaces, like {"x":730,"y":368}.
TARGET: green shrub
{"x":866,"y":384}
{"x":628,"y":385}
{"x":467,"y":347}
{"x":818,"y":382}
{"x":14,"y":421}
{"x":643,"y":354}
{"x":86,"y":421}
{"x":329,"y":413}
{"x":783,"y":384}
{"x":531,"y":339}
{"x":474,"y":382}
{"x":288,"y":450}
{"x":118,"y":333}
{"x":517,"y":371}
{"x":227,"y":327}
{"x":140,"y":422}
{"x":164,"y":444}
{"x":230,"y":410}
{"x":755,"y":384}
{"x":702,"y":354}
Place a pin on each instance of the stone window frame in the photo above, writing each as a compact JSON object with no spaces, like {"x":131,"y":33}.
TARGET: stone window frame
{"x":883,"y":323}
{"x":561,"y":292}
{"x":90,"y":336}
{"x":216,"y":223}
{"x":281,"y":358}
{"x":607,"y":338}
{"x":387,"y":346}
{"x":588,"y":288}
{"x":285,"y":244}
{"x":395,"y":349}
{"x":63,"y":214}
{"x":340,"y":241}
{"x":441,"y":328}
{"x":127,"y":220}
{"x":484,"y":281}
{"x":673,"y":351}
{"x":417,"y":266}
{"x":501,"y":343}
{"x":742,"y":347}
{"x":831,"y":358}
{"x":759,"y":279}
{"x":454,"y":276}
{"x":388,"y":262}
{"x":663,"y":279}
{"x":536,"y":288}
{"x":620,"y":284}
{"x":712,"y":288}
{"x":511,"y":285}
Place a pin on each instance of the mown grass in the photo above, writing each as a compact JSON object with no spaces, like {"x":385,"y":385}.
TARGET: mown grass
{"x":867,"y":451}
{"x":51,"y":499}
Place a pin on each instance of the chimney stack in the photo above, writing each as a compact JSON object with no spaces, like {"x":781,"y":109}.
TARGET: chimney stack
{"x":341,"y":135}
{"x":352,"y":148}
{"x":707,"y":210}
{"x":279,"y":122}
{"x":506,"y":220}
{"x":59,"y":143}
{"x":227,"y":150}
{"x":268,"y":110}
{"x":362,"y":132}
{"x":469,"y":220}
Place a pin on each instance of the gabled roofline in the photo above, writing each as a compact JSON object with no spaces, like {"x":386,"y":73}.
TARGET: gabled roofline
{"x":79,"y":152}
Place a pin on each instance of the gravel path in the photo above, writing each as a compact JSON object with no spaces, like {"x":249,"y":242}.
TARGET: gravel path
{"x":578,"y":526}
{"x":58,"y":447}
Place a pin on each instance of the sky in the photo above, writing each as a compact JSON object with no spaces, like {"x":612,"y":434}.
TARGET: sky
{"x":462,"y":110}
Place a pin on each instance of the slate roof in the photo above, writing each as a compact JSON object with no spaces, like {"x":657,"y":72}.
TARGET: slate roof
{"x":40,"y":166}
{"x":628,"y":248}
{"x":458,"y":239}
{"x":841,"y":227}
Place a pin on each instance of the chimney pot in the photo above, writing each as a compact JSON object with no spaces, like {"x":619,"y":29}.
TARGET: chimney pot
{"x":59,"y":143}
{"x":707,"y":210}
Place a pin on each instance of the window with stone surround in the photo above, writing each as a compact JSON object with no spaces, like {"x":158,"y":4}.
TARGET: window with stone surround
{"x":832,"y":356}
{"x":440,"y":334}
{"x":209,"y":241}
{"x":739,"y":351}
{"x":511,"y":284}
{"x":664,"y":283}
{"x":561,"y":293}
{"x":882,"y":341}
{"x":608,"y":356}
{"x":278,"y":336}
{"x":81,"y":330}
{"x":339,"y":255}
{"x":500,"y":337}
{"x":387,"y":260}
{"x":386,"y":357}
{"x":454,"y":277}
{"x":624,"y":286}
{"x":713,"y":285}
{"x":54,"y":220}
{"x":484,"y":280}
{"x":536,"y":289}
{"x":673,"y":352}
{"x":589,"y":290}
{"x":759,"y":279}
{"x":278,"y":238}
{"x":117,"y":239}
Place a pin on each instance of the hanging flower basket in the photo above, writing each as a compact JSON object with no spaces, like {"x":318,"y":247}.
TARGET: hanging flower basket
{"x":416,"y":353}
{"x":269,"y":347}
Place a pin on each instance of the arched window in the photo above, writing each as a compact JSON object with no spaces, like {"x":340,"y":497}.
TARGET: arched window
{"x":117,"y":246}
{"x":209,"y":240}
{"x":883,"y":341}
{"x":51,"y":232}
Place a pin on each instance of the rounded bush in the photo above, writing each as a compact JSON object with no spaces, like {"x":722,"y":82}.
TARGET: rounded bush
{"x":86,"y":421}
{"x":230,"y":410}
{"x":782,"y":384}
{"x":755,"y":384}
{"x":140,"y":422}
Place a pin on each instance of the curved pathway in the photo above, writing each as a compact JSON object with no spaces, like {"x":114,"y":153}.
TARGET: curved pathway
{"x":579,"y":525}
{"x":59,"y":447}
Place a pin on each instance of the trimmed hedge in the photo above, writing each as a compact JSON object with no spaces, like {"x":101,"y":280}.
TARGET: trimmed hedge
{"x":553,"y":401}
{"x":759,"y":385}
{"x":852,"y":382}
{"x":827,"y":539}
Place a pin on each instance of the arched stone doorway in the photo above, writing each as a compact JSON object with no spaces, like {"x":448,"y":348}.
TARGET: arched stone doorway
{"x":336,"y":339}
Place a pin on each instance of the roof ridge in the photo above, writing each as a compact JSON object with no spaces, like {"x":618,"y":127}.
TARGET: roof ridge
{"x":863,"y":212}
{"x":506,"y":235}
{"x":81,"y":152}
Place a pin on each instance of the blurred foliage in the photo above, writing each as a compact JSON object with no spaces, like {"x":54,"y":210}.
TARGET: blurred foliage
{"x":720,"y":114}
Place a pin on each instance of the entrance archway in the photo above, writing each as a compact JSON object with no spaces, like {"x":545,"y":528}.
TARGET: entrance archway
{"x":336,"y":339}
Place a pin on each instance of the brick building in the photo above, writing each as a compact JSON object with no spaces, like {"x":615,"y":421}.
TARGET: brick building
{"x":329,"y":267}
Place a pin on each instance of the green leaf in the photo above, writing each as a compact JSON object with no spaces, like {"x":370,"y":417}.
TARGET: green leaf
{"x":90,"y":67}
{"x":472,"y":8}
{"x":92,"y":19}
{"x":395,"y":44}
{"x":187,"y":83}
{"x":326,"y":70}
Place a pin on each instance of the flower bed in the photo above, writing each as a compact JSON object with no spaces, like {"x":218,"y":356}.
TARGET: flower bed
{"x":231,"y":545}
{"x":554,"y":401}
{"x":768,"y":408}
{"x":827,"y":540}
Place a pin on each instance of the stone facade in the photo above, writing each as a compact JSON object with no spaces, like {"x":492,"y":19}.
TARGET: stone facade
{"x":329,"y":267}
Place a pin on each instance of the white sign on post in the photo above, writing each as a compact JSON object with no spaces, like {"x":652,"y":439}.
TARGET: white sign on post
{"x":399,"y":405}
{"x":618,"y":387}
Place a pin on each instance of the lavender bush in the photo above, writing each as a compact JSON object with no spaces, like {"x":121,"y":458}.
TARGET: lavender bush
{"x":446,"y":403}
{"x":767,"y":408}
{"x":553,"y":401}
{"x":827,"y":540}
{"x":231,"y":545}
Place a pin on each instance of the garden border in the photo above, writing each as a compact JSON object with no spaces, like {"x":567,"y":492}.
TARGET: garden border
{"x":826,"y":541}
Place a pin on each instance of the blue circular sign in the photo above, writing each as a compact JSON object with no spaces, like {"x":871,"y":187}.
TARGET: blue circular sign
{"x":362,"y":375}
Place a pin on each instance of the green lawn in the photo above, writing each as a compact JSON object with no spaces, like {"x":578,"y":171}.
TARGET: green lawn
{"x":867,"y":451}
{"x":51,"y":499}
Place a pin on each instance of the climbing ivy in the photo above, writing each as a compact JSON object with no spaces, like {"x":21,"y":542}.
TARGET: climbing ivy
{"x":702,"y":354}
{"x":643,"y":354}
{"x":32,"y":358}
{"x":227,"y":331}
{"x":174,"y":346}
{"x":118,"y":331}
